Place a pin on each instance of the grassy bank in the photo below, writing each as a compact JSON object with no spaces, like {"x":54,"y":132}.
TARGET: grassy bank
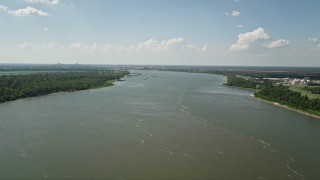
{"x":303,"y":92}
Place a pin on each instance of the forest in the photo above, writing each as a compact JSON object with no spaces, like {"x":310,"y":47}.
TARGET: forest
{"x":283,"y":95}
{"x":14,"y":87}
{"x":234,"y":80}
{"x":277,"y":93}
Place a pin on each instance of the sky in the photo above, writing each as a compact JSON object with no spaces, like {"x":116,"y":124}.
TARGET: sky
{"x":170,"y":32}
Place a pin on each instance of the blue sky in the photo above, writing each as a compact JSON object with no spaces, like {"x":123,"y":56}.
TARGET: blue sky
{"x":192,"y":32}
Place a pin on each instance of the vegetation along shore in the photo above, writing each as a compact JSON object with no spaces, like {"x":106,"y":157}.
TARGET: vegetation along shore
{"x":14,"y":87}
{"x":298,"y":90}
{"x":286,"y":107}
{"x":278,"y":94}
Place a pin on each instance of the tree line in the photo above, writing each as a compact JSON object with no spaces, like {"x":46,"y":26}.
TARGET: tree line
{"x":14,"y":87}
{"x":283,"y":95}
{"x":234,"y":80}
{"x":277,"y":93}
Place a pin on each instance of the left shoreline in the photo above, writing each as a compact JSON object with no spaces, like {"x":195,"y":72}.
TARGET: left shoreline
{"x":109,"y":83}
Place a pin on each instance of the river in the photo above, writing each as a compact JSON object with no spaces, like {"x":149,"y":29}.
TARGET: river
{"x":169,"y":126}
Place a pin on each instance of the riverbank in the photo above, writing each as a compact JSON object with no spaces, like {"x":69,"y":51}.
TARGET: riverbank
{"x":18,"y":87}
{"x":238,"y":82}
{"x":250,"y":89}
{"x":286,"y":107}
{"x":108,"y":84}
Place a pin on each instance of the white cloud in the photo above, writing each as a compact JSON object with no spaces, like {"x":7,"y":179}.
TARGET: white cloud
{"x":51,"y":46}
{"x":25,"y":46}
{"x":150,"y":45}
{"x":45,"y":29}
{"x":233,"y":13}
{"x":172,"y":42}
{"x":240,"y":26}
{"x":110,"y":48}
{"x":278,"y":43}
{"x":79,"y":46}
{"x":52,"y":2}
{"x":204,"y":48}
{"x":312,"y":40}
{"x":244,"y":40}
{"x":173,"y":45}
{"x":3,"y":8}
{"x":170,"y":45}
{"x":28,"y":11}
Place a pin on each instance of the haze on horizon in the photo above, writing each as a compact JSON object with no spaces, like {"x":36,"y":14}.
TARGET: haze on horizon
{"x":189,"y":32}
